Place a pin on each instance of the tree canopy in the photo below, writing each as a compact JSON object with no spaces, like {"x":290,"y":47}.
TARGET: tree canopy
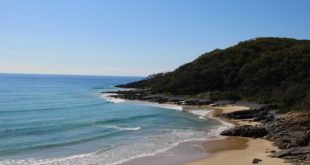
{"x":265,"y":70}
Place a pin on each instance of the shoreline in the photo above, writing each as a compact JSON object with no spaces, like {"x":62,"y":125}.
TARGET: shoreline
{"x":190,"y":150}
{"x":222,"y":150}
{"x":225,"y":150}
{"x":236,"y":150}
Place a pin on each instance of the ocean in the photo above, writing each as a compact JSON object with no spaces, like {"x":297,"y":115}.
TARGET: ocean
{"x":57,"y":119}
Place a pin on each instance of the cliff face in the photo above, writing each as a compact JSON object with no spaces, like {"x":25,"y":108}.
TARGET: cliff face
{"x":266,"y":70}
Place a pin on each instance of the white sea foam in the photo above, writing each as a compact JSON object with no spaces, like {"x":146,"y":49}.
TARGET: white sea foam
{"x":166,"y":106}
{"x":123,"y":128}
{"x":202,"y":114}
{"x":131,"y":129}
{"x":108,"y":97}
{"x":112,"y":99}
{"x":215,"y":132}
{"x":207,"y":114}
{"x":148,"y":146}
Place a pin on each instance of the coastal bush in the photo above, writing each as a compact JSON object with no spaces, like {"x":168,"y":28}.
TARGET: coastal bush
{"x":266,"y":70}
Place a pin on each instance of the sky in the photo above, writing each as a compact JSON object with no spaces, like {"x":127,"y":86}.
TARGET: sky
{"x":135,"y":37}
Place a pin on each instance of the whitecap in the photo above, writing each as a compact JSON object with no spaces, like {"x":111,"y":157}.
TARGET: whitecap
{"x":131,"y":129}
{"x":121,"y":128}
{"x":124,"y":128}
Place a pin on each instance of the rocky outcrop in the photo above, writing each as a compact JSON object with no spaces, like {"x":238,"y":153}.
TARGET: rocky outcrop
{"x":147,"y":95}
{"x":286,"y":133}
{"x":298,"y":155}
{"x":246,"y":131}
{"x":264,"y":113}
{"x":290,"y":132}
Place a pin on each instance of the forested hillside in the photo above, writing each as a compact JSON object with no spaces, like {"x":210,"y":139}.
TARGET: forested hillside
{"x":265,"y":70}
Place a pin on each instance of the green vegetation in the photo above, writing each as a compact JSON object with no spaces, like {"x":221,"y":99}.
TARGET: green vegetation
{"x":265,"y":70}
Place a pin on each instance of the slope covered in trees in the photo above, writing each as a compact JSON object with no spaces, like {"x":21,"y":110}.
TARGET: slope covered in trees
{"x":265,"y":70}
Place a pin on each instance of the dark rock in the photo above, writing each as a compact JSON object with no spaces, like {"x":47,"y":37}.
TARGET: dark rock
{"x":204,"y":101}
{"x":190,"y":101}
{"x":224,"y":102}
{"x":258,"y":114}
{"x":295,"y":154}
{"x":246,"y":131}
{"x":292,"y":152}
{"x":256,"y":161}
{"x":147,"y":95}
{"x":287,"y":133}
{"x":272,"y":151}
{"x":303,"y":139}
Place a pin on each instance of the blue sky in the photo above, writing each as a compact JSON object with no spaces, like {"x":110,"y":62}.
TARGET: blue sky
{"x":135,"y":37}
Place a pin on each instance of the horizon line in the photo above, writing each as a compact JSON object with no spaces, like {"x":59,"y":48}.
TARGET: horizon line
{"x":60,"y":74}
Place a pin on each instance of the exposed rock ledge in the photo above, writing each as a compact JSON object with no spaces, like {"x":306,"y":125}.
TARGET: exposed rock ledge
{"x":246,"y":131}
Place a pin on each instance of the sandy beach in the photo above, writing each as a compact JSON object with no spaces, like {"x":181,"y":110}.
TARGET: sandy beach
{"x":237,"y":150}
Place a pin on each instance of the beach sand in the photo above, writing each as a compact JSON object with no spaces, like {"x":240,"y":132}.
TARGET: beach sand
{"x":237,"y":150}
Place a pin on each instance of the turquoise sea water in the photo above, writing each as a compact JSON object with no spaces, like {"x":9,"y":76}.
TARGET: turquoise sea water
{"x":49,"y":119}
